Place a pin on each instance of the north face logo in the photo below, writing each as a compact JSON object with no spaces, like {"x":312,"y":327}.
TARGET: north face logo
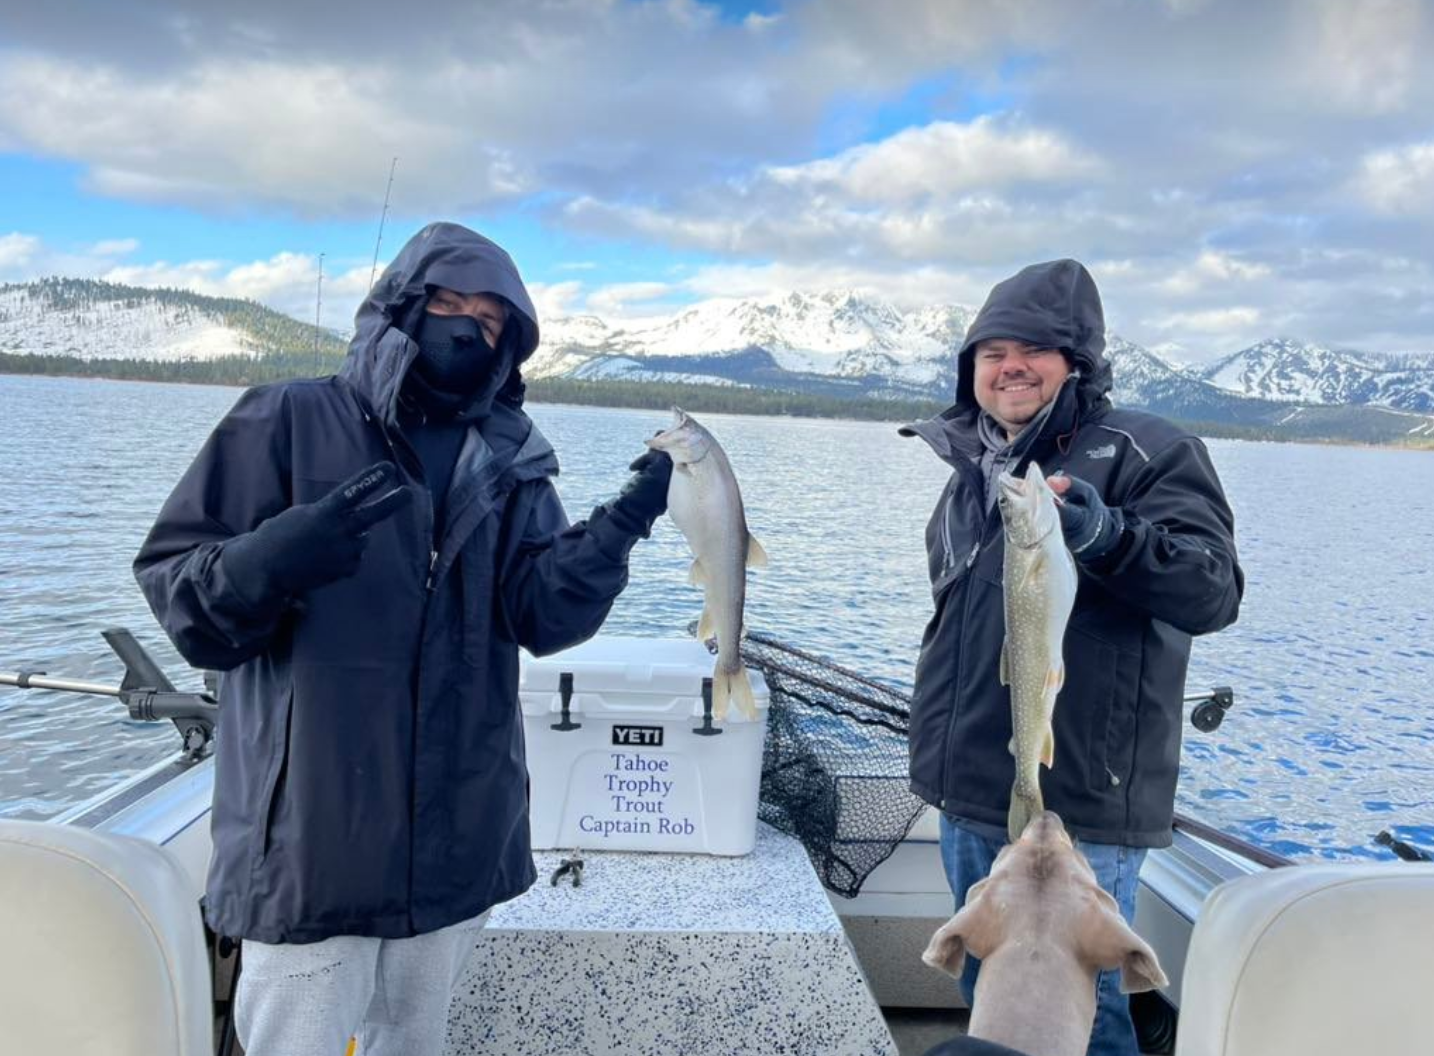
{"x":1108,"y":451}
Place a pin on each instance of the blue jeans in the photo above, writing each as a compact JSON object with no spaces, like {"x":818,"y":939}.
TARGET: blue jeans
{"x":968,"y":858}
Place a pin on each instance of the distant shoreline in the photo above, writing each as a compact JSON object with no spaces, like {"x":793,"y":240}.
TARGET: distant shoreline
{"x":700,"y":399}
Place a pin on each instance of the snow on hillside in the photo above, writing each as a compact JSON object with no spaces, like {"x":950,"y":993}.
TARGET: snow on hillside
{"x":834,"y":332}
{"x":1297,"y":372}
{"x":137,"y":327}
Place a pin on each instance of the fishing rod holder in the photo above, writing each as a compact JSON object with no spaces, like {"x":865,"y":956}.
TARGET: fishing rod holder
{"x":1210,"y":708}
{"x":145,"y":692}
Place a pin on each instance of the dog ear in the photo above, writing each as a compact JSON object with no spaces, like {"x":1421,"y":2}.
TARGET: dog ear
{"x":970,"y":928}
{"x":1110,"y":943}
{"x":1140,"y":970}
{"x":947,"y":948}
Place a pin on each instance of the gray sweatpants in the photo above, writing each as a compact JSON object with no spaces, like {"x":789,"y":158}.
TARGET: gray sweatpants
{"x":391,"y":994}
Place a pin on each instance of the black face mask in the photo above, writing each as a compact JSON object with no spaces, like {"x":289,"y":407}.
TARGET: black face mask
{"x":453,"y":353}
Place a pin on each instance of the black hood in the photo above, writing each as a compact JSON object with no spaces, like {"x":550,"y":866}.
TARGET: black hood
{"x":1052,"y":305}
{"x":442,"y":254}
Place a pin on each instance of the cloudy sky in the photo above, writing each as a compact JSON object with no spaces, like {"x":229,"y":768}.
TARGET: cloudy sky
{"x":1230,"y":170}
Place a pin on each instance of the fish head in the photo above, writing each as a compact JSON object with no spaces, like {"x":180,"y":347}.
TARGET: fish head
{"x":1028,"y":506}
{"x":685,"y":440}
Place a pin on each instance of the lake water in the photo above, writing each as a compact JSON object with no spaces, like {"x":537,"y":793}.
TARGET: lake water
{"x":1331,"y":738}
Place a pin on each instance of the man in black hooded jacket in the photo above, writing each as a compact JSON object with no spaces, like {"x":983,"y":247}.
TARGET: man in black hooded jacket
{"x":1153,"y":539}
{"x":362,"y":555}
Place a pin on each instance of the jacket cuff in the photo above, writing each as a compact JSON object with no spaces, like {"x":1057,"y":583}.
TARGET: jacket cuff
{"x":241,"y":561}
{"x":615,"y":531}
{"x":1109,"y":560}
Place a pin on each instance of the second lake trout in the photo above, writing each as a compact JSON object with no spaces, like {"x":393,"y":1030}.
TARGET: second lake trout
{"x":1039,"y":579}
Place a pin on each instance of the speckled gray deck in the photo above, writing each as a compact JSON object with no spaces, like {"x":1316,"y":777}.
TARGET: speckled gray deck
{"x":669,"y":955}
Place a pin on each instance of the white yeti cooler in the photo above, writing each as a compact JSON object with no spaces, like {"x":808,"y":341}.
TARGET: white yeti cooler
{"x":630,"y":767}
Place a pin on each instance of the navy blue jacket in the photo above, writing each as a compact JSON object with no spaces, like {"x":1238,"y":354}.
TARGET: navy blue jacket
{"x":370,"y":775}
{"x":1118,"y":717}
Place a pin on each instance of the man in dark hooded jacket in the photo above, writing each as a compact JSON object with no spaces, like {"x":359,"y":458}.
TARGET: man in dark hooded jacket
{"x":362,"y":555}
{"x":1153,"y":539}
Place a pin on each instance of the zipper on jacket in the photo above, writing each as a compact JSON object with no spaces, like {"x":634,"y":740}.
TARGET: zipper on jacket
{"x":946,"y":556}
{"x":432,"y":564}
{"x":960,"y":668}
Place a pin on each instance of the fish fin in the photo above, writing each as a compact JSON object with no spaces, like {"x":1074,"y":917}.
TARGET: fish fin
{"x":721,"y":695}
{"x":735,"y":688}
{"x":1034,"y":570}
{"x":1005,"y":666}
{"x":1011,"y":746}
{"x":697,"y":575}
{"x":1048,"y":747}
{"x":1055,"y":679}
{"x":706,"y":625}
{"x":756,"y":553}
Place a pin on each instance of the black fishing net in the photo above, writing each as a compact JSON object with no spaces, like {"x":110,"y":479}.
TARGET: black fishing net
{"x":834,"y":770}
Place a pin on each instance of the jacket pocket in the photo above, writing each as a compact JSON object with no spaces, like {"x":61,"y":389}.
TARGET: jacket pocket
{"x":1110,"y":686}
{"x":272,"y":792}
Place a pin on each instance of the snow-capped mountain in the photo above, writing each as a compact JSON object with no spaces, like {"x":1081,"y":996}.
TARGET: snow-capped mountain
{"x":832,"y":339}
{"x":1292,"y":371}
{"x":835,"y":343}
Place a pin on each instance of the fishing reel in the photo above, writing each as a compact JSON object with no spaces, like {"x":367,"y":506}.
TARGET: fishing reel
{"x":1210,"y":708}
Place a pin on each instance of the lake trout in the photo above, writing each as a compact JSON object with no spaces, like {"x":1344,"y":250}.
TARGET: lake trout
{"x":1039,"y":579}
{"x":706,"y":505}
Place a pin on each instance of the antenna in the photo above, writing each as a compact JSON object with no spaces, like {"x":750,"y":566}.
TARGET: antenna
{"x":318,"y":315}
{"x":381,"y":218}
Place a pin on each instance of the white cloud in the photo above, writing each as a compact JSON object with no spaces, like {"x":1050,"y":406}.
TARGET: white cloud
{"x":115,"y":247}
{"x":940,"y":160}
{"x":1366,"y":53}
{"x":287,"y":282}
{"x":25,"y":256}
{"x":621,"y":299}
{"x":1011,"y":131}
{"x":1212,"y":269}
{"x":242,"y":133}
{"x":1398,"y":182}
{"x":982,"y":191}
{"x":16,"y":252}
{"x":555,"y":298}
{"x":1214,"y":321}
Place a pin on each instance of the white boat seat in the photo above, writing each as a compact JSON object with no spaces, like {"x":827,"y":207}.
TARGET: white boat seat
{"x":103,"y":948}
{"x":1312,"y":960}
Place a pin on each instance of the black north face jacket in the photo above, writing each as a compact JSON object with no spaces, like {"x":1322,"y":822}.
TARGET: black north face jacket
{"x":1127,"y":646}
{"x":370,"y":775}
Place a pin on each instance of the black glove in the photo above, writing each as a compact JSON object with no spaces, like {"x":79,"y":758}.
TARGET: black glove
{"x":319,"y":542}
{"x":644,"y":497}
{"x":1092,"y":529}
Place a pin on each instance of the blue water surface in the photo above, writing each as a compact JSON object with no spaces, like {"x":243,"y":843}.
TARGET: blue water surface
{"x":1330,"y":741}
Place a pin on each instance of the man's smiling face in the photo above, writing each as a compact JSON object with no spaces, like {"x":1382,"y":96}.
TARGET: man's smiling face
{"x":1013,"y":380}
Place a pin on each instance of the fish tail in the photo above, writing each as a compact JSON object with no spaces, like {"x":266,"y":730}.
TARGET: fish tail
{"x":729,"y":687}
{"x":1023,"y":808}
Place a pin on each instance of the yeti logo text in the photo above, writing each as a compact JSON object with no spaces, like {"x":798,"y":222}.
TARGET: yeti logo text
{"x":1108,"y":451}
{"x":637,"y":736}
